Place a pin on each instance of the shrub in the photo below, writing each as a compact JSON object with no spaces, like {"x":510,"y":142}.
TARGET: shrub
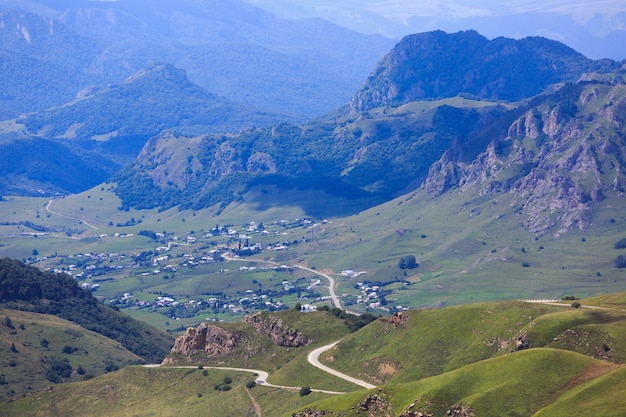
{"x":68,"y":350}
{"x":620,"y":244}
{"x":304,"y":391}
{"x":576,"y":304}
{"x":228,"y":380}
{"x":620,"y":261}
{"x":251,"y":384}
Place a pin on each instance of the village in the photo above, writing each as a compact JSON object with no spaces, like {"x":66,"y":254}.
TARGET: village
{"x":202,"y":253}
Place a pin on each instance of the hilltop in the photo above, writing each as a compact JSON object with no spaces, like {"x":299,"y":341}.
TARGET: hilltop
{"x":437,"y":64}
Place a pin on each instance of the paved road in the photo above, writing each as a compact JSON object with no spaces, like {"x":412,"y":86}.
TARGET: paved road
{"x":261,"y":377}
{"x":331,"y":285}
{"x":313,"y":359}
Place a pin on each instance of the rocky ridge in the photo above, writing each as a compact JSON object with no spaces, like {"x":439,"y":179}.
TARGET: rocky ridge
{"x":274,"y":328}
{"x":555,"y":161}
{"x":437,"y":64}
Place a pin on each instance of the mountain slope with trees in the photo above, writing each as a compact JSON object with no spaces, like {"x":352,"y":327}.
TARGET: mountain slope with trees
{"x":27,"y":288}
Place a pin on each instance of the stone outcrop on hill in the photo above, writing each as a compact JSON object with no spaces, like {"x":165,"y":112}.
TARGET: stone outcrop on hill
{"x":213,"y":341}
{"x":274,"y":328}
{"x":209,"y":341}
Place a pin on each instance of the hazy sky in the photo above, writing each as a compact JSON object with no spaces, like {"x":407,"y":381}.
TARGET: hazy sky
{"x":596,"y":28}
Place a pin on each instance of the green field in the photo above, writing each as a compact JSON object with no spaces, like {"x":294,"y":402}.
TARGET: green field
{"x":469,"y":249}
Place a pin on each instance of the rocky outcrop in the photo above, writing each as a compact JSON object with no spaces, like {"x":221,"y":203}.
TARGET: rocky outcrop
{"x":213,"y":341}
{"x":555,"y":161}
{"x":398,"y":319}
{"x":459,"y":410}
{"x":274,"y":327}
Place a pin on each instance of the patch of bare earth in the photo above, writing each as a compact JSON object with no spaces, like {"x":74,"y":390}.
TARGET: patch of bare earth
{"x":592,"y":373}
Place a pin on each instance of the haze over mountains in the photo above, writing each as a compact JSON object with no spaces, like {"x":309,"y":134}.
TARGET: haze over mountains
{"x":596,"y":29}
{"x":307,"y":66}
{"x":195,"y":161}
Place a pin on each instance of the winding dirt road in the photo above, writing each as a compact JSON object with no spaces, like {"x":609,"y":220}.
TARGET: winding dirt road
{"x":83,"y":221}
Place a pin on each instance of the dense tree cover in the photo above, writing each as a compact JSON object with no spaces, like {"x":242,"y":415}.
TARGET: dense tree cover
{"x":407,"y":262}
{"x":27,"y":288}
{"x":352,"y":321}
{"x":67,"y":169}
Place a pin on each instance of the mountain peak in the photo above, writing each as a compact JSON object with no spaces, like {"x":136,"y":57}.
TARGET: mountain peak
{"x":437,"y":64}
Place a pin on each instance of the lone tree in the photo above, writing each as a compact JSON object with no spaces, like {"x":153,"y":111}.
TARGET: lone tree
{"x":408,"y":262}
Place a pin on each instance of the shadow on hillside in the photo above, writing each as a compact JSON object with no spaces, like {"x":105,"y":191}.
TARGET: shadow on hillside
{"x":314,"y":203}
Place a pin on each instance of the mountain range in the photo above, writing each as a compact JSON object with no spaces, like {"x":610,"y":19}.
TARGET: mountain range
{"x":595,"y":29}
{"x":53,"y":51}
{"x":461,"y":170}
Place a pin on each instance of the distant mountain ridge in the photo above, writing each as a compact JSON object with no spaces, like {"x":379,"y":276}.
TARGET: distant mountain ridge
{"x":229,"y":47}
{"x":147,"y":102}
{"x":436,"y":64}
{"x":385,"y":147}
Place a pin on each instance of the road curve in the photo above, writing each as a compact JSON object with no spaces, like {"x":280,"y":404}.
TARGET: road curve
{"x":331,"y":280}
{"x":261,"y":377}
{"x":313,"y":359}
{"x":331,"y":285}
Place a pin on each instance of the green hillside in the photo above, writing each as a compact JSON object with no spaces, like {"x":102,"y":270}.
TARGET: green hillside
{"x":286,"y":365}
{"x":485,"y":359}
{"x":519,"y":384}
{"x":39,"y":350}
{"x":27,"y":288}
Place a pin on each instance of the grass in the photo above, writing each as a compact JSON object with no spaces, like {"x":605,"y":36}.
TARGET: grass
{"x":24,"y":370}
{"x":600,"y":396}
{"x":136,"y":391}
{"x":518,"y":384}
{"x":435,"y":341}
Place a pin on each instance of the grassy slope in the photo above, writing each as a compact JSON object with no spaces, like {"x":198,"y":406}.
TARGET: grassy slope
{"x":514,"y":385}
{"x":603,"y":396}
{"x":440,"y":340}
{"x":93,"y":352}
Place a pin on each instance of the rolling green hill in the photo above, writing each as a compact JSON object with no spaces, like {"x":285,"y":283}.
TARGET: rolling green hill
{"x":29,"y":289}
{"x":41,"y":349}
{"x":491,"y":359}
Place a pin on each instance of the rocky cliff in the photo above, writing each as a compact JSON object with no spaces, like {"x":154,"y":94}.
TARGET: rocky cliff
{"x":206,"y":340}
{"x":555,"y":162}
{"x":274,"y":328}
{"x":209,"y":341}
